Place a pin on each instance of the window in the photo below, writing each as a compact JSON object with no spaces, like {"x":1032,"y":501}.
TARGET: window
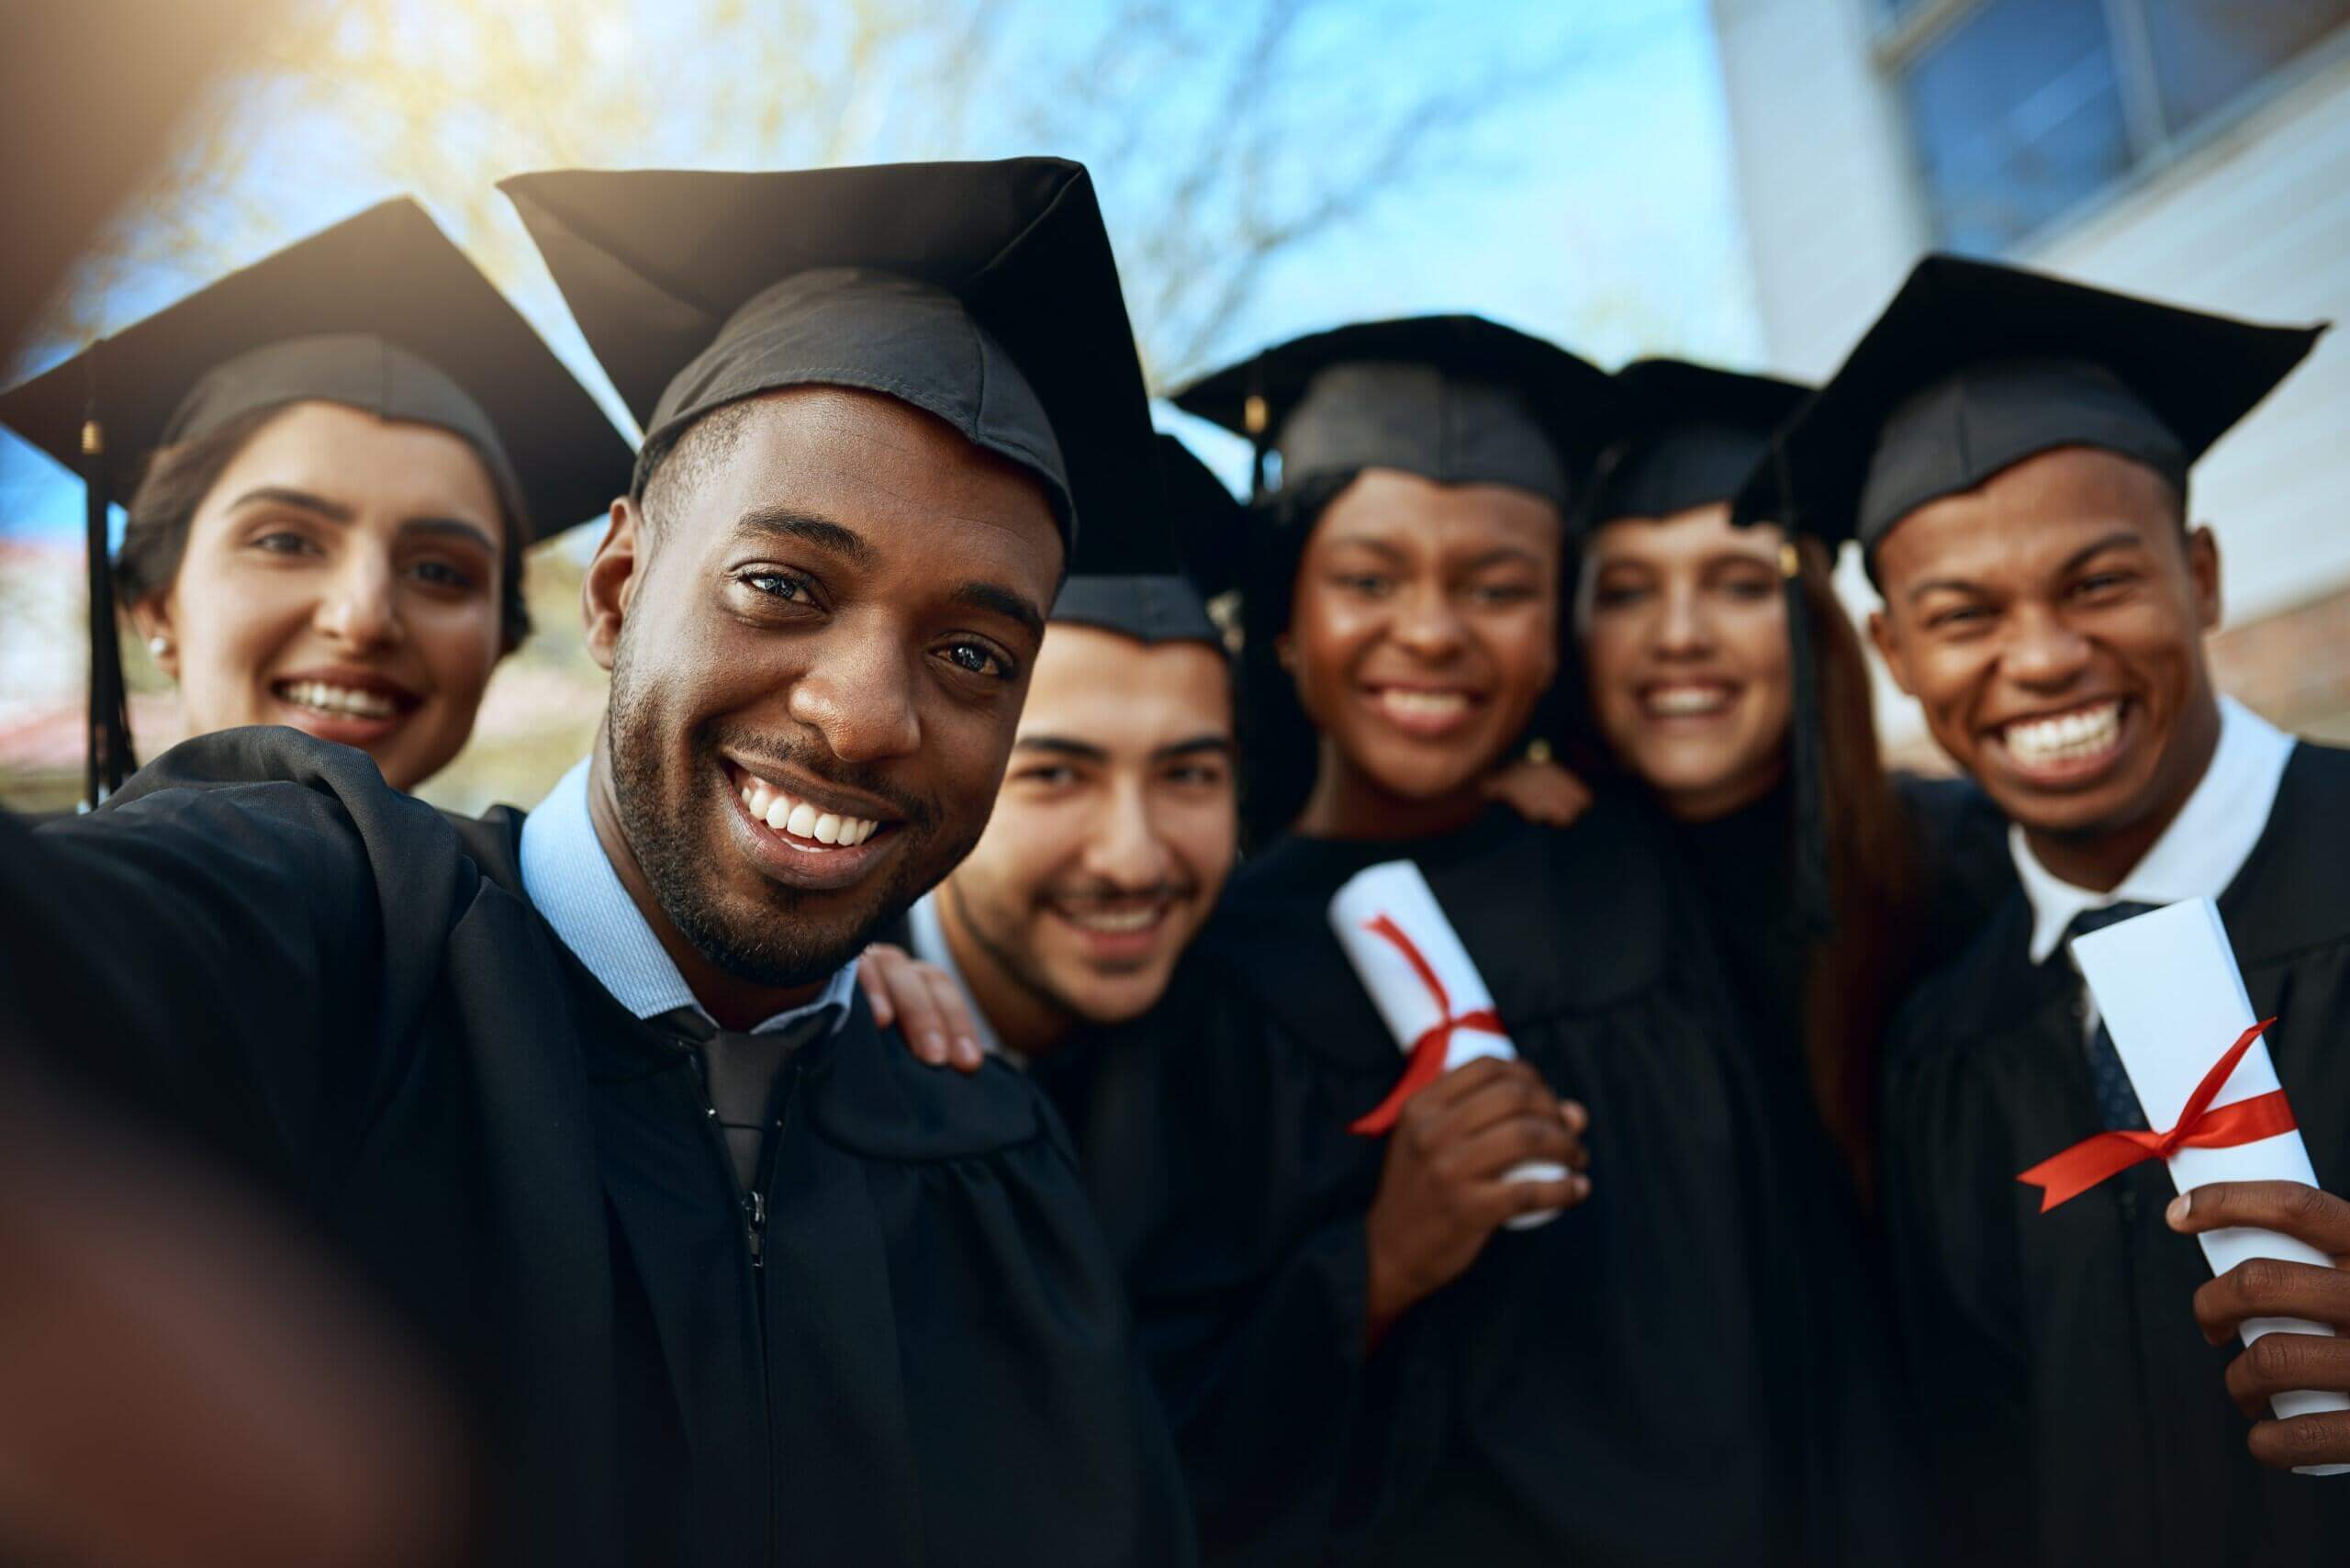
{"x":2019,"y":110}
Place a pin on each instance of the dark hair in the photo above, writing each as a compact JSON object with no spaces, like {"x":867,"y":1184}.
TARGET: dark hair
{"x":1857,"y":975}
{"x":1279,"y":742}
{"x":177,"y":478}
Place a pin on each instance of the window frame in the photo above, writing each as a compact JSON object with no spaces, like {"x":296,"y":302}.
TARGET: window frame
{"x":1896,"y":43}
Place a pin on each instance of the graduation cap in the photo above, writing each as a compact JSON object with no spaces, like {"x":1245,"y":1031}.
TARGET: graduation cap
{"x":1685,"y":435}
{"x":1682,"y":436}
{"x":381,"y":312}
{"x":1161,"y":604}
{"x":1457,"y":399}
{"x":1975,"y":368}
{"x":983,"y":293}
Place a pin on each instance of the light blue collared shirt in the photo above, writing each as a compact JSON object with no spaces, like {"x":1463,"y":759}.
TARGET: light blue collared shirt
{"x":570,"y":879}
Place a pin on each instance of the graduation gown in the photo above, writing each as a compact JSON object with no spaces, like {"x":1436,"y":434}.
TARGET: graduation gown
{"x":1661,"y":1375}
{"x":2080,"y":1417}
{"x":348,"y":993}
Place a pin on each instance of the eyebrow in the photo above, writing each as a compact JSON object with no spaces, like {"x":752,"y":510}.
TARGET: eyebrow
{"x":1500,"y":554}
{"x":1001,"y":600}
{"x":284,"y":496}
{"x":2120,"y":537}
{"x":336,"y":512}
{"x":1198,"y":745}
{"x":785,"y":523}
{"x":1061,"y":745}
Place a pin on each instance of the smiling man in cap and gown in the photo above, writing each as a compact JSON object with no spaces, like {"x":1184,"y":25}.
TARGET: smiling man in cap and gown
{"x":2012,"y":453}
{"x":586,"y":1093}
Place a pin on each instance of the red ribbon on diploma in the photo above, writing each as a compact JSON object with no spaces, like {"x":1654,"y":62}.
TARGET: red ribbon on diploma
{"x":1426,"y":1063}
{"x":2091,"y":1160}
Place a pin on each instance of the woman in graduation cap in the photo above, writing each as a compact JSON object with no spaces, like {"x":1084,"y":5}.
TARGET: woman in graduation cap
{"x":1362,"y":1362}
{"x":1720,"y":674}
{"x":332,"y":463}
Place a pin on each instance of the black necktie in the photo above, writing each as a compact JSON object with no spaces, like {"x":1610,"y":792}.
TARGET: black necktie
{"x":739,"y":1071}
{"x":2117,"y":1103}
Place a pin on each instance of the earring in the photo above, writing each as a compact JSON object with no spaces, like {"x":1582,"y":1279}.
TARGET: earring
{"x":158,"y":645}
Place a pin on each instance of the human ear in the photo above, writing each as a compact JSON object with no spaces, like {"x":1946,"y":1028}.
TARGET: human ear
{"x":2203,"y":575}
{"x":610,"y":582}
{"x":151,"y":619}
{"x":1889,"y":648}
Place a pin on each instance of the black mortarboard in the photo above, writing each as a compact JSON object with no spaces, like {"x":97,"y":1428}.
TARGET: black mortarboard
{"x":1457,"y":399}
{"x":1682,"y":436}
{"x":984,"y":294}
{"x":1156,"y":602}
{"x":91,"y":95}
{"x":1975,"y":368}
{"x":381,"y":312}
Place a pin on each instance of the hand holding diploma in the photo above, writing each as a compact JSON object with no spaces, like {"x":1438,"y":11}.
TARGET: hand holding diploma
{"x":1476,"y":1141}
{"x":2282,"y":1363}
{"x":1446,"y":1186}
{"x":2168,"y":989}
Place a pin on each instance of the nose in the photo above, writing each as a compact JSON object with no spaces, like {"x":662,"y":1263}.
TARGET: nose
{"x":2042,"y":651}
{"x":858,"y":693}
{"x":1683,"y":629}
{"x":1125,"y":849}
{"x":360,"y":608}
{"x":1427,"y":623}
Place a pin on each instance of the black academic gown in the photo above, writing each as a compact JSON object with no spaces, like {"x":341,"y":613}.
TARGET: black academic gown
{"x":348,"y":994}
{"x":2080,"y":1416}
{"x":1641,"y":1382}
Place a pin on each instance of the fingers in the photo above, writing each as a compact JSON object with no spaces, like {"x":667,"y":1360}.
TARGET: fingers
{"x":870,"y":980}
{"x":2278,"y":1363}
{"x":2319,"y":1218}
{"x":1517,"y":1089}
{"x":955,"y":1021}
{"x":904,"y":983}
{"x":1492,"y":1150}
{"x":2323,"y":1439}
{"x":1504,"y":1200}
{"x":2270,"y":1287}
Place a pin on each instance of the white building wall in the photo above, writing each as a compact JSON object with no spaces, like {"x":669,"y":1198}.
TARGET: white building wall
{"x":2254,"y":223}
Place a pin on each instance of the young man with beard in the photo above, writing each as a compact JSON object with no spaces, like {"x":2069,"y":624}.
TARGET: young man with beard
{"x":2012,"y":453}
{"x":587,"y":1093}
{"x":1113,"y":831}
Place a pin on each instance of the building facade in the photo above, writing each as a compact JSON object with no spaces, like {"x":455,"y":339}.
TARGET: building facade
{"x":2193,"y":151}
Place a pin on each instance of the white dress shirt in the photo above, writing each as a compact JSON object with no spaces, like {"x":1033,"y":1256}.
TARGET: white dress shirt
{"x":2201,"y":850}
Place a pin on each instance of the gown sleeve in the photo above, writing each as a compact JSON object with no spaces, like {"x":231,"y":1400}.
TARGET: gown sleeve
{"x":211,"y":944}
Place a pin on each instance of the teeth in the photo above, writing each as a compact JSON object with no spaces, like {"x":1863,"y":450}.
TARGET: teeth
{"x":801,"y":820}
{"x":1672,"y":702}
{"x":350,"y":700}
{"x":2067,"y":737}
{"x":1424,"y":704}
{"x":1119,"y":922}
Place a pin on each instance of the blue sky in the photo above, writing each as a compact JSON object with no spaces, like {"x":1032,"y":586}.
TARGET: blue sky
{"x":1600,"y":213}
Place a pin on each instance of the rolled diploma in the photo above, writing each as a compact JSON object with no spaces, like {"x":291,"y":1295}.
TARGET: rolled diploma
{"x":1397,"y":890}
{"x":2168,"y":989}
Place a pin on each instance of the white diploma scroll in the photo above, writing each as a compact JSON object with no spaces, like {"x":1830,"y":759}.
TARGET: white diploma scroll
{"x":2167,"y":987}
{"x":1391,"y":899}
